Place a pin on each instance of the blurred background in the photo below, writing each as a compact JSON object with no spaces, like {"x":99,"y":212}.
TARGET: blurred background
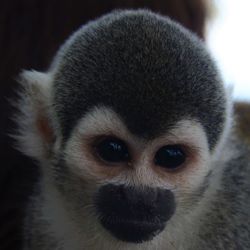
{"x":32,"y":30}
{"x":228,"y":37}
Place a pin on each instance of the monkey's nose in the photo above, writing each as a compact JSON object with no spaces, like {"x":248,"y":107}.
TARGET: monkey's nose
{"x":139,"y":197}
{"x":134,"y":214}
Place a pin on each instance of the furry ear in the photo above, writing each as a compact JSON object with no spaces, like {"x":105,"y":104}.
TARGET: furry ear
{"x":35,"y":135}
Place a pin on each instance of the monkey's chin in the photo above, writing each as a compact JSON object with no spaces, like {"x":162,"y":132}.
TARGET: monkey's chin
{"x":133,"y":231}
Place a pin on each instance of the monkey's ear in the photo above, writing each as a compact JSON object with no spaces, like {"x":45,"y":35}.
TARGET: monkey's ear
{"x":35,"y":134}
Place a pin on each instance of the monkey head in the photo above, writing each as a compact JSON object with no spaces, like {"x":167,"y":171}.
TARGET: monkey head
{"x":125,"y":124}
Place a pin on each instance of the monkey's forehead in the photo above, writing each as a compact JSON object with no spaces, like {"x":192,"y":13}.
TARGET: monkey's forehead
{"x":148,"y":69}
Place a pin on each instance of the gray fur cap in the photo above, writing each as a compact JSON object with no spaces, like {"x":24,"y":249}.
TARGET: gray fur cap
{"x":147,"y":68}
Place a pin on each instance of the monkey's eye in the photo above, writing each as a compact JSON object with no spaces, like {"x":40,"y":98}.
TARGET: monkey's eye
{"x":112,"y":150}
{"x":170,"y":157}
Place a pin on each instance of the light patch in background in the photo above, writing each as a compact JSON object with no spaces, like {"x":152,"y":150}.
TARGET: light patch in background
{"x":229,"y":41}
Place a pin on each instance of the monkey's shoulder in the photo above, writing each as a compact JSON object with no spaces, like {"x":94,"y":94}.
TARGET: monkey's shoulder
{"x":226,"y":224}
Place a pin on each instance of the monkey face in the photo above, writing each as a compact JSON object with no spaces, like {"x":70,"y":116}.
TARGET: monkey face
{"x":135,"y":186}
{"x":128,"y":118}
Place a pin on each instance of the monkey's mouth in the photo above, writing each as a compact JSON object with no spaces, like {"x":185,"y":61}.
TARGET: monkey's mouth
{"x":132,"y":214}
{"x":132,"y":231}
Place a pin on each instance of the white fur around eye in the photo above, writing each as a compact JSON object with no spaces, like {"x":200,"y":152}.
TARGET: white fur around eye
{"x":103,"y":121}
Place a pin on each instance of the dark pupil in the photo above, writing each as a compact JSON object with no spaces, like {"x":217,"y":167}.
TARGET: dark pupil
{"x":113,"y":150}
{"x":170,"y":157}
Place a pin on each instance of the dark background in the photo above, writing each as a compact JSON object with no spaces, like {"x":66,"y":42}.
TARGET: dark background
{"x":30,"y":33}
